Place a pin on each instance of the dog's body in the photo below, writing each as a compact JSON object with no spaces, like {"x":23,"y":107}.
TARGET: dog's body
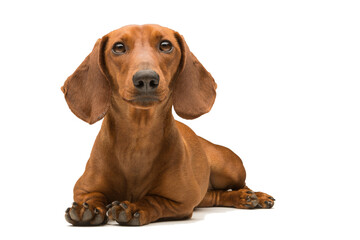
{"x":148,"y":165}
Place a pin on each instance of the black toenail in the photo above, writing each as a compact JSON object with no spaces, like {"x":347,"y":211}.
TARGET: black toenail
{"x":74,"y":204}
{"x":115,"y":203}
{"x":108,"y":206}
{"x":67,"y":210}
{"x":136,"y":214}
{"x":123,"y":205}
{"x":85,"y":205}
{"x":96,"y":211}
{"x":272,"y":198}
{"x":249,"y":192}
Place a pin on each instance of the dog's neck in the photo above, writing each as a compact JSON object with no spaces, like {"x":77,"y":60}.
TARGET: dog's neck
{"x":127,"y":124}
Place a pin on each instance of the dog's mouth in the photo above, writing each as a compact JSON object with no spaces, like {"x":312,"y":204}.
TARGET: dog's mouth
{"x":144,"y":100}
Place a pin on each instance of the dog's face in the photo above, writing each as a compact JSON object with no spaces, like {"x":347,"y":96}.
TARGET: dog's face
{"x":141,"y":62}
{"x":141,"y":66}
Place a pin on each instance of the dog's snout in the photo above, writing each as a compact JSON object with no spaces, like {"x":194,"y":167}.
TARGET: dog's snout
{"x":146,"y":80}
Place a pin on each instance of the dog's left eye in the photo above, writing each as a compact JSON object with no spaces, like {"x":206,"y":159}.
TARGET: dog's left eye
{"x":166,"y":46}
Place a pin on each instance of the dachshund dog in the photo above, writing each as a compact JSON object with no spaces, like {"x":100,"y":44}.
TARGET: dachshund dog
{"x":144,"y":165}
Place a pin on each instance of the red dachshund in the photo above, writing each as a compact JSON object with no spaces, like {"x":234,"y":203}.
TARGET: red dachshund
{"x":144,"y":165}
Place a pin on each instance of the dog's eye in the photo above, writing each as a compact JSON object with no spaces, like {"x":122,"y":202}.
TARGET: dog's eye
{"x":118,"y":48}
{"x":166,"y":46}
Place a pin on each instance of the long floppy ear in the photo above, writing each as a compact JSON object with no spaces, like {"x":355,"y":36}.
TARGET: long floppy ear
{"x":194,"y":89}
{"x":87,"y":91}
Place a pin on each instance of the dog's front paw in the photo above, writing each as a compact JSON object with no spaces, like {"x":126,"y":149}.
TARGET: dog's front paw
{"x":265,"y":200}
{"x":125,"y":213}
{"x":85,"y":215}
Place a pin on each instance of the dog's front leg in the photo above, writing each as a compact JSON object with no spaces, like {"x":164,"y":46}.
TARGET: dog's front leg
{"x":147,"y":210}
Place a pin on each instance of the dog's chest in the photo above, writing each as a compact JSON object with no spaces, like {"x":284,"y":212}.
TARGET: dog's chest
{"x":137,"y":173}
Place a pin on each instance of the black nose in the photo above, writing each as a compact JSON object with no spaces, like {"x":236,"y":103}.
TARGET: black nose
{"x":146,"y":80}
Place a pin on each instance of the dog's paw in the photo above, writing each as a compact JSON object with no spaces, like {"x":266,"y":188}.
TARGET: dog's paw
{"x":85,"y":215}
{"x":265,"y":200}
{"x":125,"y":213}
{"x":245,"y":199}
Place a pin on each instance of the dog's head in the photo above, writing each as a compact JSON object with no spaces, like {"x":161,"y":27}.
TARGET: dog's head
{"x":142,"y":66}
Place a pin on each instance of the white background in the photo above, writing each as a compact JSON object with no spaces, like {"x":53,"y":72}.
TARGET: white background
{"x":287,"y":103}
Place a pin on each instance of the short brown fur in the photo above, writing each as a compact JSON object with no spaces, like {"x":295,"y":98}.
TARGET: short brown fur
{"x":144,"y":165}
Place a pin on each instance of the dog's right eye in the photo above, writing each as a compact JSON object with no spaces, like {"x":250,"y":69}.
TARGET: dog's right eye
{"x":118,"y":48}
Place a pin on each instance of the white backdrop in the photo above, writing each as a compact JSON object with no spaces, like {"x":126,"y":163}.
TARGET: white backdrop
{"x":287,"y":103}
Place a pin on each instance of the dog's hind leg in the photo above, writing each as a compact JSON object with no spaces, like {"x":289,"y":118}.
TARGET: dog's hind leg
{"x":243,"y":198}
{"x":227,"y":186}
